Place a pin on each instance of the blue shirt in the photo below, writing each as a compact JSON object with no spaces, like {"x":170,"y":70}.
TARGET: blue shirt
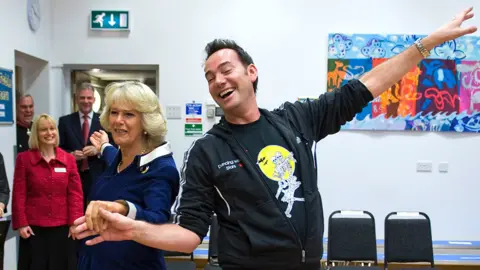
{"x":150,"y":183}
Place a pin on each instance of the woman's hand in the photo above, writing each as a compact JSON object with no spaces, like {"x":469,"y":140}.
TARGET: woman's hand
{"x":97,"y":223}
{"x":26,"y":232}
{"x":71,"y":232}
{"x":119,"y":228}
{"x":98,"y":138}
{"x":2,"y":209}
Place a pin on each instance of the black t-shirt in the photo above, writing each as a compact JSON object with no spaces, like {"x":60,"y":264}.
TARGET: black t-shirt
{"x":269,"y":151}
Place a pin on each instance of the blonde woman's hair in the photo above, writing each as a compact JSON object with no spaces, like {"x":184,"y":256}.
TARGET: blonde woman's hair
{"x":33,"y":141}
{"x":139,"y":96}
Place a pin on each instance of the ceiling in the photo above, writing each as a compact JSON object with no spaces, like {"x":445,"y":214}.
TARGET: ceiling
{"x":122,"y":75}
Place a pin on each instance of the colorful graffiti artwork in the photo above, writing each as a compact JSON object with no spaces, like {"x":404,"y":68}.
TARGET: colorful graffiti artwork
{"x":441,"y":93}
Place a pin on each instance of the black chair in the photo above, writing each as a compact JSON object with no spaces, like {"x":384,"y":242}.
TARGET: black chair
{"x":351,"y":240}
{"x":408,"y":239}
{"x":179,"y":265}
{"x":213,"y":246}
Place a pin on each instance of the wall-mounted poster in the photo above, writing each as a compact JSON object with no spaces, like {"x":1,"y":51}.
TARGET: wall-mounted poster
{"x":6,"y":96}
{"x":441,"y":93}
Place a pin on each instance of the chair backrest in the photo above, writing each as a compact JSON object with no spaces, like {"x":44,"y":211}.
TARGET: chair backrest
{"x":177,"y":254}
{"x":213,"y":242}
{"x":351,"y":237}
{"x":180,"y":265}
{"x":408,"y":238}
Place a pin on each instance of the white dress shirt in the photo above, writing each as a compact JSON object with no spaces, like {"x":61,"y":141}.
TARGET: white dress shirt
{"x":90,"y":116}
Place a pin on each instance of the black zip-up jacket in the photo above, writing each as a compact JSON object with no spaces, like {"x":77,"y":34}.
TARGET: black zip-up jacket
{"x":218,"y":176}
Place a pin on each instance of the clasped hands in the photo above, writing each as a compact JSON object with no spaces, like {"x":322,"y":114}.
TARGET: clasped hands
{"x":86,"y":152}
{"x":93,"y":222}
{"x":98,"y":138}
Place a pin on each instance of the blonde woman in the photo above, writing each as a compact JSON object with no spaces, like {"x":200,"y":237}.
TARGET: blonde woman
{"x":141,"y":182}
{"x":46,"y":199}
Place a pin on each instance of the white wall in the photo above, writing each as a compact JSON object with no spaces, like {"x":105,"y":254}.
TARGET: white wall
{"x":16,"y":35}
{"x":288,"y":41}
{"x":35,"y":80}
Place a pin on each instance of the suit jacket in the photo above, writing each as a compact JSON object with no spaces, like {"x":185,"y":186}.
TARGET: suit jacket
{"x":4,"y":186}
{"x":46,"y":194}
{"x":22,"y":138}
{"x":71,"y":139}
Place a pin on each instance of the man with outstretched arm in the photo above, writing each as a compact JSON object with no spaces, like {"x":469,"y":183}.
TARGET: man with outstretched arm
{"x":262,"y":185}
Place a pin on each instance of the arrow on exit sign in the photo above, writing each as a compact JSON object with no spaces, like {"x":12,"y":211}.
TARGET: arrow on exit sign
{"x":109,"y":20}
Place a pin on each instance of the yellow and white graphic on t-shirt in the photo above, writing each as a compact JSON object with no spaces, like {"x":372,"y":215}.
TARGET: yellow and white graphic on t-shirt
{"x":278,"y":164}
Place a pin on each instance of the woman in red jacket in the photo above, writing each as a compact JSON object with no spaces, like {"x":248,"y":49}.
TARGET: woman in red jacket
{"x":47,"y":197}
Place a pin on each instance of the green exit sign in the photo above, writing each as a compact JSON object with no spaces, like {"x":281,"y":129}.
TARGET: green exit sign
{"x":109,"y":20}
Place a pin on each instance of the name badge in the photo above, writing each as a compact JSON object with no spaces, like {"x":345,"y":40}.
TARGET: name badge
{"x":60,"y":170}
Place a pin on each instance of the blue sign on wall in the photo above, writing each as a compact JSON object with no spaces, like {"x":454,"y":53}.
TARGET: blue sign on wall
{"x":6,"y":96}
{"x":193,"y":108}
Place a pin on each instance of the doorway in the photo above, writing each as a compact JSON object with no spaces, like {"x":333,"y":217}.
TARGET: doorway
{"x":32,"y":77}
{"x":99,"y":76}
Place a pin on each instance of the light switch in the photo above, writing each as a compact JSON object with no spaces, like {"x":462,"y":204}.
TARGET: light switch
{"x":174,"y":112}
{"x":211,"y":112}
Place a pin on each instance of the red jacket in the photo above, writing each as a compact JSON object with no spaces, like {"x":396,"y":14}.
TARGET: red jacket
{"x":46,"y":194}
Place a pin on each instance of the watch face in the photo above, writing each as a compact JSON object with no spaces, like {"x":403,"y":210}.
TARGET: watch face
{"x":33,"y":14}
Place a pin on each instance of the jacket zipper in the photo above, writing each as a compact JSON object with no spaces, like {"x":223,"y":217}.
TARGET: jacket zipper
{"x":314,"y":161}
{"x":275,"y":199}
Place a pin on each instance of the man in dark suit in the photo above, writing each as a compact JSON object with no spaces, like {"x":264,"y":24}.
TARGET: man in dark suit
{"x":4,"y":199}
{"x":75,"y":130}
{"x":25,"y":111}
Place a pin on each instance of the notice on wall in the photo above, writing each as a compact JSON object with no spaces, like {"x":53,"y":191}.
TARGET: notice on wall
{"x":192,"y":130}
{"x":6,"y":96}
{"x":193,"y":109}
{"x":193,"y":119}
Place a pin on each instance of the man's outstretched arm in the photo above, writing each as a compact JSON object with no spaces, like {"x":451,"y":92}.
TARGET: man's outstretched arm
{"x":326,"y":115}
{"x":389,"y":72}
{"x":171,"y":237}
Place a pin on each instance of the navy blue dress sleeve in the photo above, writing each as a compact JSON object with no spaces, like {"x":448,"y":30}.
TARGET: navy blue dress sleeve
{"x":159,"y":195}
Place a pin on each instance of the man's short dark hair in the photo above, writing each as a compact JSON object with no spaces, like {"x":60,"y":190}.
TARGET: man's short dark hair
{"x":20,"y":96}
{"x":83,"y":86}
{"x":220,"y":44}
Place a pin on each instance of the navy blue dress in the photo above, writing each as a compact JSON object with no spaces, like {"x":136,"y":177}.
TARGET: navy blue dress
{"x":151,"y":184}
